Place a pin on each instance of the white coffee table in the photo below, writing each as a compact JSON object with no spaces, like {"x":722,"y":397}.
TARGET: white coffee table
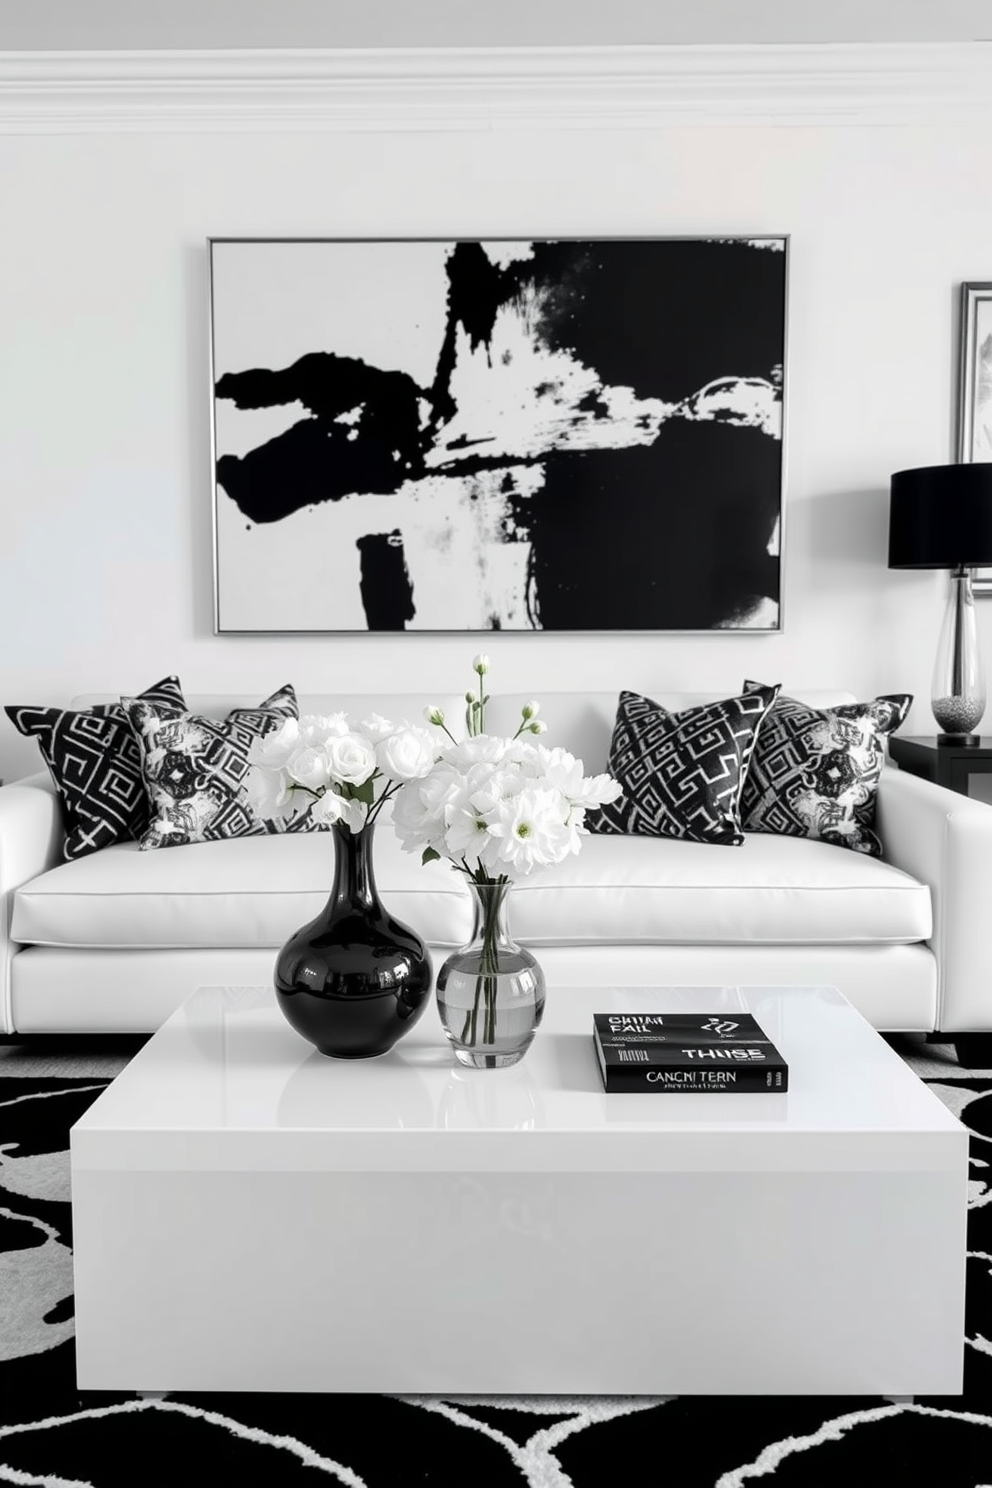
{"x":249,"y":1215}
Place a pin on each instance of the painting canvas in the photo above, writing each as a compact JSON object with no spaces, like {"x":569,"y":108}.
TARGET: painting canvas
{"x":975,"y":389}
{"x":461,"y":435}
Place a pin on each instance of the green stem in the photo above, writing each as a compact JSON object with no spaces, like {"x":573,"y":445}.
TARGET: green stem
{"x":487,"y":982}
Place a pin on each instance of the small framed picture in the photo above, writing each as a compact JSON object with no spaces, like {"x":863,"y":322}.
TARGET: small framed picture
{"x":975,"y":389}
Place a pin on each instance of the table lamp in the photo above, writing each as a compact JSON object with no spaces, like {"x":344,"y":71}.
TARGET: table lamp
{"x":940,"y":516}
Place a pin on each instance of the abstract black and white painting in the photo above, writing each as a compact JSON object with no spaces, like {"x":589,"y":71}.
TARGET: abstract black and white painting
{"x":460,"y":435}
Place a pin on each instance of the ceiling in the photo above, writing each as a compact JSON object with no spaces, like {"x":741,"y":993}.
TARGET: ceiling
{"x":102,"y":25}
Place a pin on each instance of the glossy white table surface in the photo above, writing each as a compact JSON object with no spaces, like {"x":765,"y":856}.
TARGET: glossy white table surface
{"x":229,"y":1067}
{"x":824,"y":1225}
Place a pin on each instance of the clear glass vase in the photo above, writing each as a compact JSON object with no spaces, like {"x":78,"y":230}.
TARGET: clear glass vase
{"x":490,"y":994}
{"x":958,"y":692}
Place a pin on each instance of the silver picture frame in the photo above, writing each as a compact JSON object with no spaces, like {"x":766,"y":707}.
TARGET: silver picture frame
{"x":974,"y":424}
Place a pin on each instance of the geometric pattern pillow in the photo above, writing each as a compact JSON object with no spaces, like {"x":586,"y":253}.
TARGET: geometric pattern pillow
{"x":682,"y":773}
{"x":815,"y":771}
{"x":193,"y":769}
{"x":94,"y":761}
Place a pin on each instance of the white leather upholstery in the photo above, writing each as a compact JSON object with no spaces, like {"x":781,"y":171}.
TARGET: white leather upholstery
{"x":251,"y":891}
{"x":947,"y":839}
{"x":619,"y":890}
{"x":771,"y":891}
{"x":30,"y":841}
{"x":59,"y":991}
{"x":775,"y":910}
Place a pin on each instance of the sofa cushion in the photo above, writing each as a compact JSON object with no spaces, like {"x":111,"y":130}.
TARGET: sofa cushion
{"x":815,"y":771}
{"x":622,"y":890}
{"x":194,"y":768}
{"x":682,"y":773}
{"x":96,"y":767}
{"x":771,"y":891}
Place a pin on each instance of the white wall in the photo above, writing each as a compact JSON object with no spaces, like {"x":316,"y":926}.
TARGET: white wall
{"x":105,"y":562}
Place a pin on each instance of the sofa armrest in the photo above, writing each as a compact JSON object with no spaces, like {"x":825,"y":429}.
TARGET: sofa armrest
{"x":944,"y":839}
{"x":30,"y":843}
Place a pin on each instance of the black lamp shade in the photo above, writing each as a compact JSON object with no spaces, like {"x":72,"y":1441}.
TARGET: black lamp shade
{"x":940,"y":516}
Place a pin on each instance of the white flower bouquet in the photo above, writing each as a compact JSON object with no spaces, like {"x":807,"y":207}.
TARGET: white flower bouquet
{"x":496,"y":808}
{"x":342,"y":773}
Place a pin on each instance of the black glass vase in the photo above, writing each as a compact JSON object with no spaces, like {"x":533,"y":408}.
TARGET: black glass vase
{"x":354,"y":980}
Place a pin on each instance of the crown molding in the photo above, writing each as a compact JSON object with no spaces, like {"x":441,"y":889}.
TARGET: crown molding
{"x":489,"y":88}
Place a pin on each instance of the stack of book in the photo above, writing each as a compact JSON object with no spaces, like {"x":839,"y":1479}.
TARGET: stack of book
{"x":665,"y":1053}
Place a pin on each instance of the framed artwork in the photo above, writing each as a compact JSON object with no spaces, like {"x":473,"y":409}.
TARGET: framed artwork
{"x":568,"y":434}
{"x":975,"y":389}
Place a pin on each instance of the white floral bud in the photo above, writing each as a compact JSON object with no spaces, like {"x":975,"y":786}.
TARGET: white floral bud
{"x":470,"y":698}
{"x":530,"y":710}
{"x":481,"y":664}
{"x":434,"y":714}
{"x":539,"y":727}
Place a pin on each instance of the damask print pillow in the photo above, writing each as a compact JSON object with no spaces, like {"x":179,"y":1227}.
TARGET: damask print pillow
{"x":815,"y":771}
{"x":682,"y":773}
{"x":193,"y":769}
{"x":93,"y":759}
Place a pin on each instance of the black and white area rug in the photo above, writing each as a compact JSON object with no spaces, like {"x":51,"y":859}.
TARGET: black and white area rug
{"x":52,"y":1435}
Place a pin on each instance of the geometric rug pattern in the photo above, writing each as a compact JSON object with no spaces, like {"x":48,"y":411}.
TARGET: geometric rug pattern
{"x":52,"y":1434}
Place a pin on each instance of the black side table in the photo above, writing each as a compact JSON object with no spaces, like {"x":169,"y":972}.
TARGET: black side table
{"x":944,"y":764}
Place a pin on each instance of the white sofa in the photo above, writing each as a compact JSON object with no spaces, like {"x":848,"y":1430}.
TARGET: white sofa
{"x":115,"y":941}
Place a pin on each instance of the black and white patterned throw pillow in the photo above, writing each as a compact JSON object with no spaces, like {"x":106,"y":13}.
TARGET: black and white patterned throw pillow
{"x":815,"y":771}
{"x":94,"y":761}
{"x":193,"y":769}
{"x":682,"y":773}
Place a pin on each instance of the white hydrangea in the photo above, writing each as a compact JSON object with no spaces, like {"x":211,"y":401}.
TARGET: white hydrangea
{"x":499,"y":808}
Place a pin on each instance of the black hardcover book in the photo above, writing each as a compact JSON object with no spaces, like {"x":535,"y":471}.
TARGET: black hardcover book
{"x":665,"y":1053}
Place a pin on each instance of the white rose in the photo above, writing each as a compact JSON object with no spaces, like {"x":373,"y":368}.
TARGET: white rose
{"x":419,"y":809}
{"x":480,"y":664}
{"x":317,"y":728}
{"x":310,"y":767}
{"x":407,"y":755}
{"x":375,"y":727}
{"x":332,"y":809}
{"x":350,"y":759}
{"x":266,"y":793}
{"x":274,"y":748}
{"x":413,"y":821}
